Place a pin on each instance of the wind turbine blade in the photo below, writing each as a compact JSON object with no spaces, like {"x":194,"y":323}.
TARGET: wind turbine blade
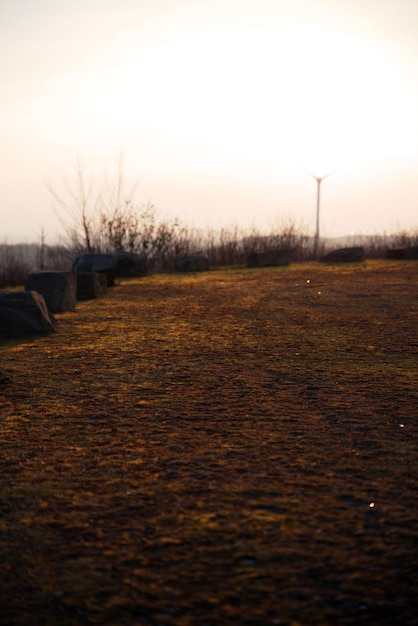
{"x":326,"y":175}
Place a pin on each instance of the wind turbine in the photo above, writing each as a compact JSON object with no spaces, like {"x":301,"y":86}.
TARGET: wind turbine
{"x":319,"y":180}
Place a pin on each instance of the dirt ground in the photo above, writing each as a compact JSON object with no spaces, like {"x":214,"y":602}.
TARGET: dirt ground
{"x":236,"y":447}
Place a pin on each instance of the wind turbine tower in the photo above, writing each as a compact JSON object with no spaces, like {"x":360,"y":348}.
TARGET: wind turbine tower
{"x":319,"y":180}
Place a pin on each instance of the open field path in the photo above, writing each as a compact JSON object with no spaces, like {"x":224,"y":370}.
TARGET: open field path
{"x":237,"y":447}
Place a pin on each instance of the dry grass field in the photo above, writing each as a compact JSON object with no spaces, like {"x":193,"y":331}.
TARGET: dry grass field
{"x":236,"y":447}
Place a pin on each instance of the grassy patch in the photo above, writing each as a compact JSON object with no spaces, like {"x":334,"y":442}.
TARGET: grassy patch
{"x":231,"y":447}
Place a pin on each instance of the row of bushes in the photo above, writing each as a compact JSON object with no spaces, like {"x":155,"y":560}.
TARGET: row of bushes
{"x":165,"y":242}
{"x":101,"y":216}
{"x":17,"y":261}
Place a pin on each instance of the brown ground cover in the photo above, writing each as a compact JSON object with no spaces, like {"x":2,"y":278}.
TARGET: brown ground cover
{"x":235,"y":447}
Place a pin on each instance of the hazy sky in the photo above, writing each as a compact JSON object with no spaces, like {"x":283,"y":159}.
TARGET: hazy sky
{"x":218,"y":106}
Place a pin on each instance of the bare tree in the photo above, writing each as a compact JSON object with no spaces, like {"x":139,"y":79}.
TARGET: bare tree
{"x":102,"y":217}
{"x":42,"y":249}
{"x":76,"y":209}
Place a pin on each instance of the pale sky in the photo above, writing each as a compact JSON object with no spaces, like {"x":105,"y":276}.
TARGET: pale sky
{"x":220,"y":108}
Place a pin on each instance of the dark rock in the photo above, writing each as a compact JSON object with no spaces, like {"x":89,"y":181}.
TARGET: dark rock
{"x":24,"y":313}
{"x":409,"y":253}
{"x":344,"y":255}
{"x":111,"y":265}
{"x":100,"y":263}
{"x":59,"y":289}
{"x":91,"y":285}
{"x":274,"y":258}
{"x":192,"y":263}
{"x":129,"y":264}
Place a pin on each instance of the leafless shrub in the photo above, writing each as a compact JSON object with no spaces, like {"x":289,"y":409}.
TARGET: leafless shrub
{"x":14,"y":265}
{"x":161,"y":241}
{"x":404,"y":238}
{"x":104,"y":218}
{"x":377,"y":245}
{"x":17,"y":261}
{"x":284,"y":234}
{"x":76,"y":209}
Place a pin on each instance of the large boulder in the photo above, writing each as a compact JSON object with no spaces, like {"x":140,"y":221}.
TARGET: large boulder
{"x":59,"y":289}
{"x":91,"y":285}
{"x":275,"y":257}
{"x":24,"y":313}
{"x":192,"y":263}
{"x":409,"y":253}
{"x":100,"y":263}
{"x":111,"y":265}
{"x":129,"y":264}
{"x":344,"y":255}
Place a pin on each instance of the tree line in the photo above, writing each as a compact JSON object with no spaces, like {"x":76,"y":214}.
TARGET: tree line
{"x":104,"y":218}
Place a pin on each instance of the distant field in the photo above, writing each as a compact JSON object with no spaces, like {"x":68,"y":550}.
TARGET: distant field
{"x":233,"y":447}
